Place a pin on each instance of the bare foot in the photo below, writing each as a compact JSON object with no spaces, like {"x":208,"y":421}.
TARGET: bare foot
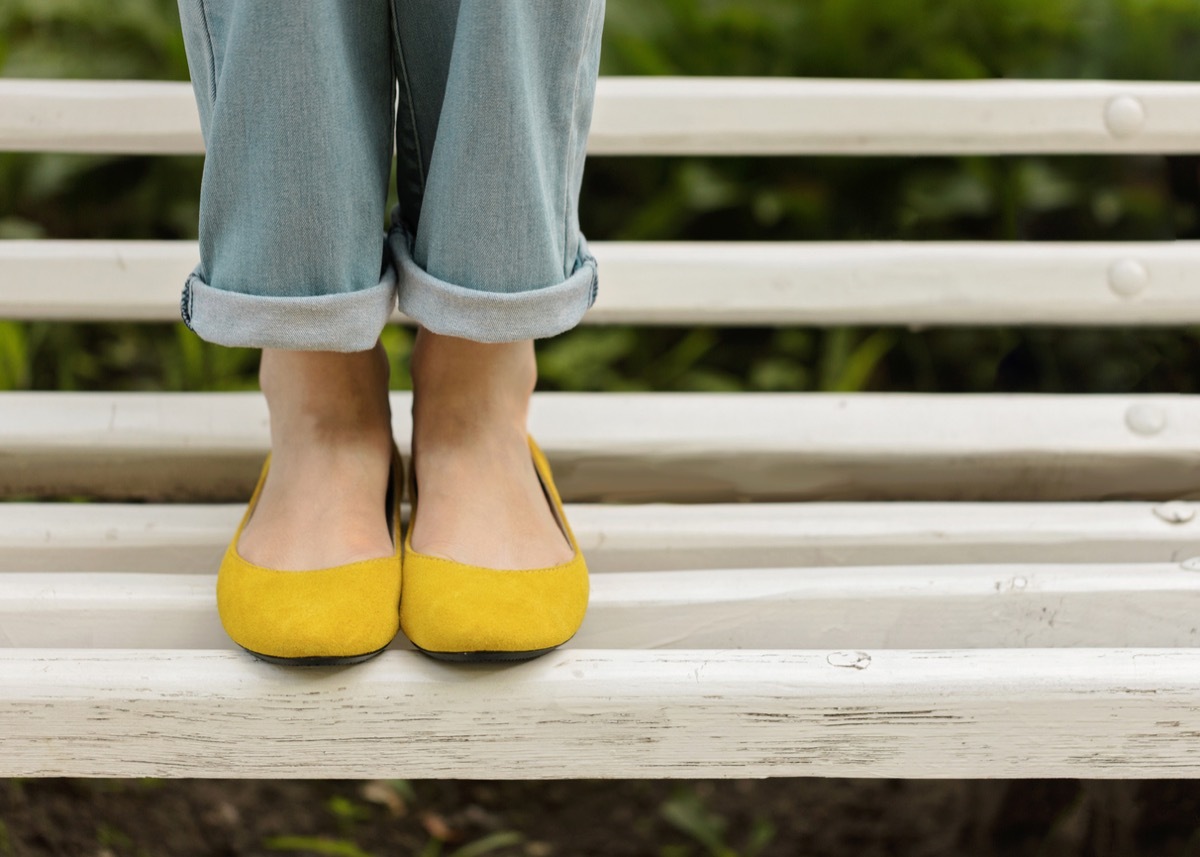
{"x":331,"y":447}
{"x":481,"y":501}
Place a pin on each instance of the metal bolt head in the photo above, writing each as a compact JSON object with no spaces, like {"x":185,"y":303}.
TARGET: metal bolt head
{"x":1128,"y":277}
{"x":1145,"y":420}
{"x":1124,"y":116}
{"x":1192,"y":564}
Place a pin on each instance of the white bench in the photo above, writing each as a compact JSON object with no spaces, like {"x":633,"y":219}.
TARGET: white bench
{"x":1023,"y":605}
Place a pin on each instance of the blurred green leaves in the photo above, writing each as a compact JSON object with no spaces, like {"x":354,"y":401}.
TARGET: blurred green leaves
{"x":686,"y":812}
{"x":133,"y":39}
{"x":731,"y":198}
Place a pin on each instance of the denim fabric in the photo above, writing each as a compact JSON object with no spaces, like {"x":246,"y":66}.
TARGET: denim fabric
{"x":488,"y":104}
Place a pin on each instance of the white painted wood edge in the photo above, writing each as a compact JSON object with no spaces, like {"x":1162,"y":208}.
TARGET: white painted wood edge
{"x":670,"y":283}
{"x":721,"y":115}
{"x":936,"y":606}
{"x":1094,"y":712}
{"x":700,"y":115}
{"x":190,"y":538}
{"x":651,"y":446}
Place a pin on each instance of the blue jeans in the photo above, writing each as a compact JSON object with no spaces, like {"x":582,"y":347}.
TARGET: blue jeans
{"x":489,"y":103}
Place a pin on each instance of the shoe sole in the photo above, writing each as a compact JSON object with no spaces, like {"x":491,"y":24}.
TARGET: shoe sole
{"x":317,"y":661}
{"x":471,"y":657}
{"x":485,"y":656}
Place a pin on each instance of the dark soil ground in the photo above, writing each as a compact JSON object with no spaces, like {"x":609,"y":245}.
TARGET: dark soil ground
{"x":737,"y":818}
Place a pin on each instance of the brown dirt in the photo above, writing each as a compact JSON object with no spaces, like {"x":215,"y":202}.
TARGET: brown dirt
{"x":811,"y":817}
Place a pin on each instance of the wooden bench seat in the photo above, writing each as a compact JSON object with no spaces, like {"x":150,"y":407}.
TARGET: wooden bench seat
{"x":788,"y":584}
{"x":189,"y":538}
{"x":650,"y":446}
{"x":1057,"y":712}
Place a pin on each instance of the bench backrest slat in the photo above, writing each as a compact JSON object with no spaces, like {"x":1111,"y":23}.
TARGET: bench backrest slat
{"x":684,"y":283}
{"x":701,"y":115}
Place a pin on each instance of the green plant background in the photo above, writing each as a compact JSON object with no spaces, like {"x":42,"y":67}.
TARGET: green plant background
{"x":644,"y":198}
{"x":694,"y":198}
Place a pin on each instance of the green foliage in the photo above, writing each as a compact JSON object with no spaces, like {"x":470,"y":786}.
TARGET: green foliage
{"x":405,"y":789}
{"x":314,"y":845}
{"x":485,"y":845}
{"x":111,"y":837}
{"x":76,"y":38}
{"x":687,"y":813}
{"x":348,"y":813}
{"x":693,"y":198}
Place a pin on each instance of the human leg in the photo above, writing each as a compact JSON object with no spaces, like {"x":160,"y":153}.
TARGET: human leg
{"x":489,"y":255}
{"x":296,"y":108}
{"x":295,"y":105}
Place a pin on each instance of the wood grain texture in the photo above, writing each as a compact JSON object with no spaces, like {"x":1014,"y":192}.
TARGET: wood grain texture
{"x":723,"y":640}
{"x":944,"y":606}
{"x":1108,"y":712}
{"x":647,"y":446}
{"x":684,"y":282}
{"x":189,"y":538}
{"x":700,"y":115}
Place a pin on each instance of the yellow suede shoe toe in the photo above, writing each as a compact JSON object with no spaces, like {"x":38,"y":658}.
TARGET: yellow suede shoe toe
{"x":455,"y":611}
{"x":338,"y":615}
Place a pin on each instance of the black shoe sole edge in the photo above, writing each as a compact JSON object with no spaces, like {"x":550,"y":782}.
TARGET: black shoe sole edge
{"x":481,"y":657}
{"x":486,"y":656}
{"x":458,"y":657}
{"x":317,"y":660}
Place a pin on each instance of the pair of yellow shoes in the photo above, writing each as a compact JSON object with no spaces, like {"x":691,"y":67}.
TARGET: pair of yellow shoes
{"x":449,"y":610}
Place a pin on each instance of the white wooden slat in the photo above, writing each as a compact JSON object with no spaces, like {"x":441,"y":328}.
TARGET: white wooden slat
{"x":105,"y":611}
{"x":648,"y":446}
{"x":724,"y":283}
{"x":121,"y":117}
{"x":701,"y":115}
{"x":777,"y":116}
{"x":943,"y":606}
{"x":190,"y":538}
{"x":1112,"y":713}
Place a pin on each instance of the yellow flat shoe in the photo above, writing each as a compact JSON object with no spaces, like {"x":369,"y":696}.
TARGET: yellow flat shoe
{"x":454,"y":611}
{"x":339,"y":615}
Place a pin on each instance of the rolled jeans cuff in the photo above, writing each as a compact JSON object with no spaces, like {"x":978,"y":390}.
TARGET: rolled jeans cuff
{"x":344,"y":321}
{"x":484,"y":316}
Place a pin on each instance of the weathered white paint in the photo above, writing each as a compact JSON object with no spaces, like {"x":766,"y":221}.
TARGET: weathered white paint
{"x":646,"y":446}
{"x":726,"y":283}
{"x":1107,"y":712}
{"x":701,"y":115}
{"x":942,"y":606}
{"x":189,"y":538}
{"x":932,"y":661}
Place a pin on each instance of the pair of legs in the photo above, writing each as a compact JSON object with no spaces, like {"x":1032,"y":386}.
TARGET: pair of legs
{"x":488,"y":104}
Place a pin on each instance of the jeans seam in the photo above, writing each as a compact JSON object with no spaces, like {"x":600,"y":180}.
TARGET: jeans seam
{"x":212,"y":53}
{"x":412,"y":138}
{"x":185,"y":305}
{"x":569,"y":173}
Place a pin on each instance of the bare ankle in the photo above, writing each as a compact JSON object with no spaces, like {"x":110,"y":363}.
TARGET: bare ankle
{"x":325,"y":396}
{"x":463,"y":383}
